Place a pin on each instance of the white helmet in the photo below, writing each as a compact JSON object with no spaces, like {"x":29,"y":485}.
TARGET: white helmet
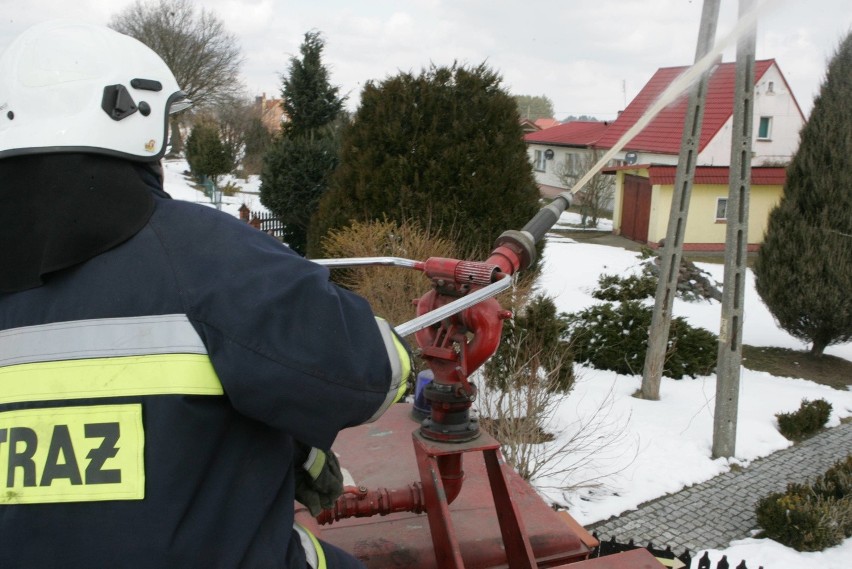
{"x":76,"y":87}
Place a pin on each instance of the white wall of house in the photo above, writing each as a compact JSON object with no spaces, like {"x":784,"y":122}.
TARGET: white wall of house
{"x":652,"y":158}
{"x":776,"y":126}
{"x":547,"y":171}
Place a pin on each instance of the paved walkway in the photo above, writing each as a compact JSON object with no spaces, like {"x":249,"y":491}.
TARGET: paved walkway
{"x":712,"y":514}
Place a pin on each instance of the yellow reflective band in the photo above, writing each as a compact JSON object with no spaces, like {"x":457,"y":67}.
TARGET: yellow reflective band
{"x":165,"y":374}
{"x":72,"y":454}
{"x":315,"y":463}
{"x":320,"y":554}
{"x":321,"y":564}
{"x":405,"y":364}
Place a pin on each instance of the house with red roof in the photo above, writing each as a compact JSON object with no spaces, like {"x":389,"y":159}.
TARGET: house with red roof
{"x":529,"y":126}
{"x":777,"y":119}
{"x":645,"y":182}
{"x":547,"y":122}
{"x":644,"y":198}
{"x":559,"y":153}
{"x":642,"y":190}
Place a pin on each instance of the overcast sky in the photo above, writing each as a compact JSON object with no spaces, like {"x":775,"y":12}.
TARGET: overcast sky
{"x":588,"y":56}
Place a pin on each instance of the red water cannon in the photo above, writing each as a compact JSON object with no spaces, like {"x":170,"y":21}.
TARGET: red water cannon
{"x":457,"y":328}
{"x":457,"y":345}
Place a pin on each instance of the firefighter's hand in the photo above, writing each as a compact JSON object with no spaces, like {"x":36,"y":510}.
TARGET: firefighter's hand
{"x":319,"y":481}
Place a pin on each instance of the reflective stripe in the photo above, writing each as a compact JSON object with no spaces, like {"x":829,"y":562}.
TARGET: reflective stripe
{"x":168,"y":374}
{"x":400,"y":370}
{"x":101,"y":338}
{"x":314,"y":463}
{"x":314,"y":555}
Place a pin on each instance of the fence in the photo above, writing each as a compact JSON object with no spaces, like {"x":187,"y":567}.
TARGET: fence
{"x":666,"y":556}
{"x":265,"y":221}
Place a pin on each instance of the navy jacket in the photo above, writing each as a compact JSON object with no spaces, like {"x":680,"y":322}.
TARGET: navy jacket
{"x":121,"y":447}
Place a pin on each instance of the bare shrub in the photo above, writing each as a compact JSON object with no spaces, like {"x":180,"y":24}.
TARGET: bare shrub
{"x":517,"y":412}
{"x":596,"y":196}
{"x":522,"y":388}
{"x":588,"y":449}
{"x":541,"y":445}
{"x":390,"y":290}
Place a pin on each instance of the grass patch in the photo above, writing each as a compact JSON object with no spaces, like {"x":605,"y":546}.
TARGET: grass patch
{"x":826,"y":370}
{"x":716,"y":257}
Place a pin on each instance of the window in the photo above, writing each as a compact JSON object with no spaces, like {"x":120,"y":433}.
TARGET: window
{"x":764,"y":130}
{"x":721,"y":209}
{"x":540,"y":163}
{"x":572,"y":163}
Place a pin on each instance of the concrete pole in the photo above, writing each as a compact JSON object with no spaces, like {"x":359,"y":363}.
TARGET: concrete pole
{"x":672,"y":251}
{"x":736,"y":242}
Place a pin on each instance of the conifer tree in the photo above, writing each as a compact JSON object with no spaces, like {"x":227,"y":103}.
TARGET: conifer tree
{"x":444,"y":148}
{"x":206,"y":154}
{"x":804,"y":268}
{"x":532,"y":349}
{"x":297,"y":166}
{"x":534,"y":107}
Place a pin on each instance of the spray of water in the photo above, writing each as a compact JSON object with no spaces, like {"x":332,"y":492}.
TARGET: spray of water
{"x":674,"y":90}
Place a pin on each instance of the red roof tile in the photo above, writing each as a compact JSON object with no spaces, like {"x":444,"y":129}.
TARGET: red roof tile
{"x":760,"y":175}
{"x":546,"y":123}
{"x":574,"y":133}
{"x":663,"y":134}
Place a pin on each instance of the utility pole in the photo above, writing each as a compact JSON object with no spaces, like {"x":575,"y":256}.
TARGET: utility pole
{"x":736,"y":248}
{"x":670,"y":257}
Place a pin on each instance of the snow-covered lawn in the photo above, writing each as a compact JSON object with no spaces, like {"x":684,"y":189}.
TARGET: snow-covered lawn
{"x":678,"y":429}
{"x":181,"y":188}
{"x":640,"y":435}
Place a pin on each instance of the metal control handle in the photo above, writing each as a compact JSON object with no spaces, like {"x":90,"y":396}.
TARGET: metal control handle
{"x":433,"y":316}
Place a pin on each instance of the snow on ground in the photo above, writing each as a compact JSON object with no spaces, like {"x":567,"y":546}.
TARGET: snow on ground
{"x":772,"y":555}
{"x":639,"y":437}
{"x":642,"y":439}
{"x":574,"y":222}
{"x":180,"y":186}
{"x":632,"y":438}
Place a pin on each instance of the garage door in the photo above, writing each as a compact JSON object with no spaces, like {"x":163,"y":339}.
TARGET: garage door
{"x":636,"y":208}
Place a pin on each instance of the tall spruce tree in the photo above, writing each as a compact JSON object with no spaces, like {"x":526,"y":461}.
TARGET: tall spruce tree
{"x":298,"y":165}
{"x":804,"y":268}
{"x":444,"y":148}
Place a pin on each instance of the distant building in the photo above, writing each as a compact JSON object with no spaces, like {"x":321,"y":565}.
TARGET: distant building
{"x":271,"y":112}
{"x":558,"y":151}
{"x":529,"y":126}
{"x":545,"y":123}
{"x":777,"y":119}
{"x":644,"y":167}
{"x":777,"y":122}
{"x":644,"y":197}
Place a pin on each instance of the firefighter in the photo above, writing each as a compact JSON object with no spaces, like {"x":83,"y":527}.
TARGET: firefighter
{"x":168,"y":375}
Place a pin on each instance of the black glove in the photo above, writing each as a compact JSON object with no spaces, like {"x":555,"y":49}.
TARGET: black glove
{"x":319,"y":481}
